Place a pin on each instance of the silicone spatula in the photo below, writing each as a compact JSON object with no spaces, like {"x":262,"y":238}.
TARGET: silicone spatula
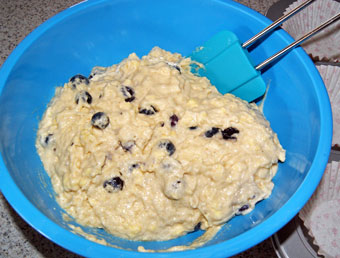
{"x":228,"y":65}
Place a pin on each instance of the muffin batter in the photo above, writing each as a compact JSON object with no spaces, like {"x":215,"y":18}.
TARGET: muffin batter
{"x":149,"y":151}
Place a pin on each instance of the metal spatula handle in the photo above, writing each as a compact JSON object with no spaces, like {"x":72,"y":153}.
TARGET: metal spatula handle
{"x":298,"y":42}
{"x":276,"y":23}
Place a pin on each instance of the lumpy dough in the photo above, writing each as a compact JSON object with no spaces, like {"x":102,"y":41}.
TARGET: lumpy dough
{"x":149,"y":151}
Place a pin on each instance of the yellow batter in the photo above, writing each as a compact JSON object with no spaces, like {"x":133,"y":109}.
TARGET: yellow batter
{"x":149,"y":151}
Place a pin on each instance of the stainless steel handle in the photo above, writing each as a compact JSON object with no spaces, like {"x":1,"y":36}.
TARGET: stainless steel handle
{"x":276,"y":23}
{"x":298,"y":42}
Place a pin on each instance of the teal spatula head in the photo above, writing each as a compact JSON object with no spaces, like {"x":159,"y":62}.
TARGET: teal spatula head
{"x":229,"y":67}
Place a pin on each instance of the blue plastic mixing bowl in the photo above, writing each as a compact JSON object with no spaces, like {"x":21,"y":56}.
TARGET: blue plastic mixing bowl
{"x":102,"y":32}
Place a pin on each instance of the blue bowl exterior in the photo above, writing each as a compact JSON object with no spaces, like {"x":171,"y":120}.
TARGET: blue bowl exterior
{"x":297,"y":107}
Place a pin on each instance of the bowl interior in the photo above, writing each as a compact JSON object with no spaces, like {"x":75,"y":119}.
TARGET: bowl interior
{"x":103,"y":33}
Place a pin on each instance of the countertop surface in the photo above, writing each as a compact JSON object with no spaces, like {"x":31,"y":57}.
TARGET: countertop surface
{"x":17,"y":19}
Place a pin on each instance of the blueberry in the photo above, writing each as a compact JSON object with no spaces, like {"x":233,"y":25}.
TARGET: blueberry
{"x":228,"y":133}
{"x":100,"y":120}
{"x":210,"y":133}
{"x":177,"y":184}
{"x":83,"y":96}
{"x":79,"y":79}
{"x":114,"y":184}
{"x":243,"y":208}
{"x":46,"y":140}
{"x":173,"y":120}
{"x":173,"y":65}
{"x":174,"y":189}
{"x":148,"y":110}
{"x":193,"y":127}
{"x":133,"y":167}
{"x":169,"y":146}
{"x":197,"y":227}
{"x":178,"y":68}
{"x":127,"y":146}
{"x":97,"y":70}
{"x":128,"y":93}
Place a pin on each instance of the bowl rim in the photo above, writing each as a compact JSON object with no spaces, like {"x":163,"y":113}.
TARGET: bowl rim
{"x":82,"y":246}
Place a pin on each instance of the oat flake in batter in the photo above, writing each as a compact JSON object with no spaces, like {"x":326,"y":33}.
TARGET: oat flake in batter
{"x":149,"y":151}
